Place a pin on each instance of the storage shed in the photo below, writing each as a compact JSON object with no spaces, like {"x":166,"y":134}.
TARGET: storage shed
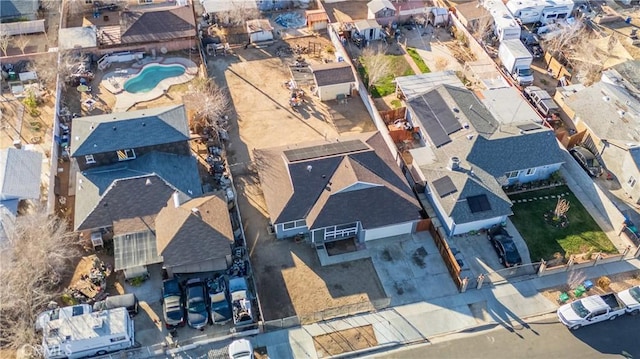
{"x":316,"y":19}
{"x":368,"y":29}
{"x":333,"y":80}
{"x":259,"y":30}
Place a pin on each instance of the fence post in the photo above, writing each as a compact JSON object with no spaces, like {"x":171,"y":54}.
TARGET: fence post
{"x":480,"y":281}
{"x":570,"y":262}
{"x":625,"y":252}
{"x":598,"y":258}
{"x":543,"y":267}
{"x":465,"y":283}
{"x":637,"y":253}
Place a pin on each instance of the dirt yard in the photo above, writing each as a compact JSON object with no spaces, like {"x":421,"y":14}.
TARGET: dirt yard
{"x":344,"y":341}
{"x":289,"y":277}
{"x":618,"y":282}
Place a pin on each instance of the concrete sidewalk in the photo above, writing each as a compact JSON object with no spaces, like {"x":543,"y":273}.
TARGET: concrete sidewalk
{"x":507,"y":304}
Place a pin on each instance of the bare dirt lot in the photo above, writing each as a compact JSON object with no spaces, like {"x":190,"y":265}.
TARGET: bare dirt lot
{"x":344,"y":341}
{"x":289,"y":277}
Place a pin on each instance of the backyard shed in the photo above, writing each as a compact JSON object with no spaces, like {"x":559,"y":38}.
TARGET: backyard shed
{"x":259,"y":30}
{"x":333,"y":80}
{"x":380,"y":8}
{"x":316,"y":19}
{"x":368,"y":29}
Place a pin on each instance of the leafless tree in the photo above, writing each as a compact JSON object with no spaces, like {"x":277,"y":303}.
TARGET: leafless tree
{"x":5,"y":39}
{"x":21,"y":42}
{"x":49,"y":66}
{"x":482,"y":27}
{"x":38,"y":254}
{"x":376,"y":63}
{"x":210,"y":101}
{"x":240,"y":12}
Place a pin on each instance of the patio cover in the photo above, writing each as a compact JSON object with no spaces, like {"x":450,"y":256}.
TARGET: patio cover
{"x":135,"y":250}
{"x":77,"y":38}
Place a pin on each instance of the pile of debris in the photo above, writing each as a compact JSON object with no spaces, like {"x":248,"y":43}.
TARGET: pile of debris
{"x":92,"y":284}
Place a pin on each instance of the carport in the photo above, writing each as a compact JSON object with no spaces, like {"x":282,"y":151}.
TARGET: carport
{"x":133,"y":252}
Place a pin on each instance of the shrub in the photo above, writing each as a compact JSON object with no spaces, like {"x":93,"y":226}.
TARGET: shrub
{"x":31,"y":103}
{"x":603,"y":282}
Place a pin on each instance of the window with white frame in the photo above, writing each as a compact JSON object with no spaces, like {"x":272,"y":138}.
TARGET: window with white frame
{"x":631,"y":182}
{"x":294,"y":224}
{"x":531,"y":171}
{"x":125,"y":155}
{"x":89,"y":159}
{"x":512,"y":174}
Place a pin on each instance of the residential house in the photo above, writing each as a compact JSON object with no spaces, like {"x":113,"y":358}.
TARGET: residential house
{"x":130,"y":165}
{"x":223,"y":9}
{"x":380,"y":9}
{"x":472,"y":148}
{"x":18,"y":10}
{"x":333,"y":80}
{"x":350,"y":188}
{"x":20,"y":173}
{"x":195,"y":236}
{"x":259,"y":30}
{"x":606,"y":116}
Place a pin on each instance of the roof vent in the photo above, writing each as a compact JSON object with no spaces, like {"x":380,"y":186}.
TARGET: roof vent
{"x":114,"y":128}
{"x":621,"y":113}
{"x":469,"y":137}
{"x":196,"y":212}
{"x":309,"y":168}
{"x":176,"y":199}
{"x":147,"y":182}
{"x":606,"y":98}
{"x":465,"y":125}
{"x":454,"y":163}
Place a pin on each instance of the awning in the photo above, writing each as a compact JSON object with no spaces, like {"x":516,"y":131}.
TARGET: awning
{"x":135,"y":250}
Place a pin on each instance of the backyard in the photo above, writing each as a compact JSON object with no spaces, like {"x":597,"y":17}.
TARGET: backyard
{"x":418,"y":60}
{"x":398,"y":66}
{"x":548,"y":240}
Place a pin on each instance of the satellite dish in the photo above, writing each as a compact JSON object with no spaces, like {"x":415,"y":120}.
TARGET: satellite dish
{"x":163,"y":50}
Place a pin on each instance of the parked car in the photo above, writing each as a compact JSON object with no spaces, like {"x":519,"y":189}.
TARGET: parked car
{"x":197,"y":312}
{"x":172,"y":305}
{"x":593,"y":309}
{"x":219,"y":299}
{"x":587,"y":160}
{"x":129,"y":301}
{"x":631,"y":298}
{"x":505,"y":247}
{"x":241,"y":349}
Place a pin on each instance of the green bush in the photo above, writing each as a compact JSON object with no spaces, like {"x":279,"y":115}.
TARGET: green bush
{"x":31,"y":103}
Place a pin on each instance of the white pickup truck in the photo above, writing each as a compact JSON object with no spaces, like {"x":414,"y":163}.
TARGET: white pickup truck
{"x":592,"y":309}
{"x":631,"y":298}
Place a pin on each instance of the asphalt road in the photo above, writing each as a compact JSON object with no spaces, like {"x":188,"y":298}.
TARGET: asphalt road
{"x":544,"y":339}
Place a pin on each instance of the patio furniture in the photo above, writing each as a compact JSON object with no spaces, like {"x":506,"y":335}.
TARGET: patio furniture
{"x":563,"y":297}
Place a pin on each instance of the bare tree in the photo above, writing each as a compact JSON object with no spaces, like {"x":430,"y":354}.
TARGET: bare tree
{"x":38,"y":254}
{"x":21,"y":42}
{"x":5,"y":39}
{"x":240,"y":12}
{"x":482,"y":27}
{"x":376,"y":63}
{"x":65,"y":64}
{"x":210,"y":101}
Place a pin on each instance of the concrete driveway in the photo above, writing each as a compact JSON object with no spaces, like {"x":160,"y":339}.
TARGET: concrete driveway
{"x":411,"y":269}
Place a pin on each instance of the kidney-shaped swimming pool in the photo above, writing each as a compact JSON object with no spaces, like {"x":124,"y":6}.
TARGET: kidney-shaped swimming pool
{"x":150,"y":77}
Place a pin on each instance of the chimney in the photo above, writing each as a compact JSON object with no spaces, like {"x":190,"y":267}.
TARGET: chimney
{"x":454,"y":163}
{"x":309,"y":168}
{"x":176,"y":199}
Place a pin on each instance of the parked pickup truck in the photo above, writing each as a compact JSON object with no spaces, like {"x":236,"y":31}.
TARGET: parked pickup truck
{"x":592,"y":309}
{"x":631,"y":298}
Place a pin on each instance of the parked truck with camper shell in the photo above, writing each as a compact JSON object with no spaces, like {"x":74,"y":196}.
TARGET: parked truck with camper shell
{"x":593,"y":309}
{"x":631,"y":298}
{"x":516,"y":60}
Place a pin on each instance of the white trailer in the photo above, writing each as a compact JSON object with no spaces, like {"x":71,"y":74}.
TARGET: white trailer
{"x":505,"y":26}
{"x":97,"y":333}
{"x":544,"y":11}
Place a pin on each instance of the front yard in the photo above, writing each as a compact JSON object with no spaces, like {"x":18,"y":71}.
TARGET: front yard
{"x":548,"y":241}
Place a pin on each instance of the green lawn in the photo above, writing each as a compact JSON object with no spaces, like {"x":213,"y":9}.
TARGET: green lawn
{"x":544,"y":240}
{"x":386,"y":86}
{"x":418,"y":60}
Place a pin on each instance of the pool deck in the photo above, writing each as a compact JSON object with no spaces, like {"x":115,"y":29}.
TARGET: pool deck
{"x":114,"y":81}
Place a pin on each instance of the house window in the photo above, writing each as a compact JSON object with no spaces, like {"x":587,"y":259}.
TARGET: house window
{"x":531,"y":171}
{"x":125,"y":155}
{"x":88,"y":1}
{"x":512,"y":174}
{"x":89,"y":159}
{"x":294,"y":224}
{"x":631,"y":182}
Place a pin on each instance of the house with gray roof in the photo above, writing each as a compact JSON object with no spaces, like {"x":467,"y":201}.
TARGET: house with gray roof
{"x":19,"y":10}
{"x":471,"y":149}
{"x":606,"y":116}
{"x":131,"y":164}
{"x":20,"y":174}
{"x":333,"y":79}
{"x":195,"y":236}
{"x":344,"y":189}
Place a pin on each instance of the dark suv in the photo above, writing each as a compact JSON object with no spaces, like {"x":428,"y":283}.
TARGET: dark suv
{"x":505,"y":247}
{"x":587,"y":160}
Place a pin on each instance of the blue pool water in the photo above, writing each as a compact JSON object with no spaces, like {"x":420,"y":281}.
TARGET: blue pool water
{"x":150,"y":76}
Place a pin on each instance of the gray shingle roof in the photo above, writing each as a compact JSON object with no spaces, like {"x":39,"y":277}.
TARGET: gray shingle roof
{"x":377,"y":5}
{"x":123,"y":188}
{"x":367,"y":186}
{"x":157,"y":25}
{"x":332,"y":73}
{"x":133,"y":129}
{"x":20,"y":172}
{"x":185,"y":237}
{"x":18,"y":8}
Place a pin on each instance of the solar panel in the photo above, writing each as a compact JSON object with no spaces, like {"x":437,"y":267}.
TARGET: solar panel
{"x":443,"y":113}
{"x":444,"y":186}
{"x":528,"y":127}
{"x":136,"y":249}
{"x":324,"y":150}
{"x":429,"y":122}
{"x":479,"y":203}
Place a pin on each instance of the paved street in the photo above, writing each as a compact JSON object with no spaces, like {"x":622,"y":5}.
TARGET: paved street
{"x":544,"y":339}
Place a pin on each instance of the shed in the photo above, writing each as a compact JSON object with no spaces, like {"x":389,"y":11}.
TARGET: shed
{"x":333,"y":79}
{"x":368,"y":29}
{"x":380,"y":9}
{"x":259,"y":30}
{"x":316,"y":19}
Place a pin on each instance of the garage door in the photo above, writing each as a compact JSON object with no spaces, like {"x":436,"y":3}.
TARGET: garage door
{"x":388,"y":231}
